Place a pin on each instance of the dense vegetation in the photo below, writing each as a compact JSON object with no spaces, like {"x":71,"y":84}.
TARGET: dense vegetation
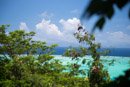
{"x":34,"y":69}
{"x":97,"y":75}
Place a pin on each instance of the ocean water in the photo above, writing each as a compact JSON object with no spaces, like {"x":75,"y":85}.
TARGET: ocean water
{"x":119,"y":56}
{"x":117,"y":68}
{"x":124,"y":52}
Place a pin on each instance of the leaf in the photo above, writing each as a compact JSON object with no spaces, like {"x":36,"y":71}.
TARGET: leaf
{"x":110,"y":12}
{"x":99,"y":24}
{"x":129,"y":13}
{"x":92,"y":37}
{"x":83,"y":61}
{"x":121,"y":3}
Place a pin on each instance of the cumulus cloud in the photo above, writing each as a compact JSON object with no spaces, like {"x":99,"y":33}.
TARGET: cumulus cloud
{"x":63,"y":35}
{"x":23,"y":26}
{"x":48,"y":28}
{"x":70,"y":25}
{"x":114,"y":39}
{"x":47,"y":31}
{"x":50,"y":32}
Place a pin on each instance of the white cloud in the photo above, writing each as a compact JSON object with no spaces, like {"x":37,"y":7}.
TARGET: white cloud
{"x":50,"y":32}
{"x":23,"y":26}
{"x":48,"y":28}
{"x":47,"y":31}
{"x":114,"y":39}
{"x":46,"y":15}
{"x":70,"y":25}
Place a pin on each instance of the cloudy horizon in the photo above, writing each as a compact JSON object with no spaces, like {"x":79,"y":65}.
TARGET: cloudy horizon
{"x":55,"y":23}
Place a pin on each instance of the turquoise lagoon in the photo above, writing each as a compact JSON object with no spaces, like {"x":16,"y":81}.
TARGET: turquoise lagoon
{"x":114,"y":64}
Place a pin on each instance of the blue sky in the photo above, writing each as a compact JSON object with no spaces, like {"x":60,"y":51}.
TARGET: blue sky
{"x":54,"y":21}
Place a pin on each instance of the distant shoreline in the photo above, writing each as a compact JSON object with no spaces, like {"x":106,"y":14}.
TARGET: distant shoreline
{"x":122,"y":52}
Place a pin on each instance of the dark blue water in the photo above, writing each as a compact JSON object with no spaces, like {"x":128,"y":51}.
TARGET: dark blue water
{"x":124,"y":52}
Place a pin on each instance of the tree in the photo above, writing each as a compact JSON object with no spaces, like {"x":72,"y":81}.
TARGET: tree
{"x":14,"y":43}
{"x":120,"y":81}
{"x":36,"y":69}
{"x":97,"y":75}
{"x":16,"y":67}
{"x":104,"y":9}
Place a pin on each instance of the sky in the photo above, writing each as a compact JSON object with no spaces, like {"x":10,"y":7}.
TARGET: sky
{"x":55,"y":21}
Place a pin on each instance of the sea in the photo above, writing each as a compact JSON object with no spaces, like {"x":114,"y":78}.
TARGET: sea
{"x":122,"y":52}
{"x":119,"y":56}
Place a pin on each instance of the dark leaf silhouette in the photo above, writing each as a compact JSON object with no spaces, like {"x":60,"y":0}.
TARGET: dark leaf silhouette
{"x":103,"y":9}
{"x":99,"y":24}
{"x":80,"y":27}
{"x":129,"y":13}
{"x":121,"y":81}
{"x":121,"y":3}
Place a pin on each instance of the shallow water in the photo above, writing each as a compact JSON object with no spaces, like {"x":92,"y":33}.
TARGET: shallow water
{"x":115,"y":69}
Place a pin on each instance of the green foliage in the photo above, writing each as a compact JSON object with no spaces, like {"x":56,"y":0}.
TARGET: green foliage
{"x":41,"y":69}
{"x":28,"y":71}
{"x":75,"y":53}
{"x":16,"y":42}
{"x":35,"y":69}
{"x":123,"y":80}
{"x":97,"y":75}
{"x":19,"y":42}
{"x":3,"y":63}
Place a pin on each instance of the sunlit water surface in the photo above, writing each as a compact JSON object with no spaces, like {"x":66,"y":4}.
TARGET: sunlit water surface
{"x":115,"y":65}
